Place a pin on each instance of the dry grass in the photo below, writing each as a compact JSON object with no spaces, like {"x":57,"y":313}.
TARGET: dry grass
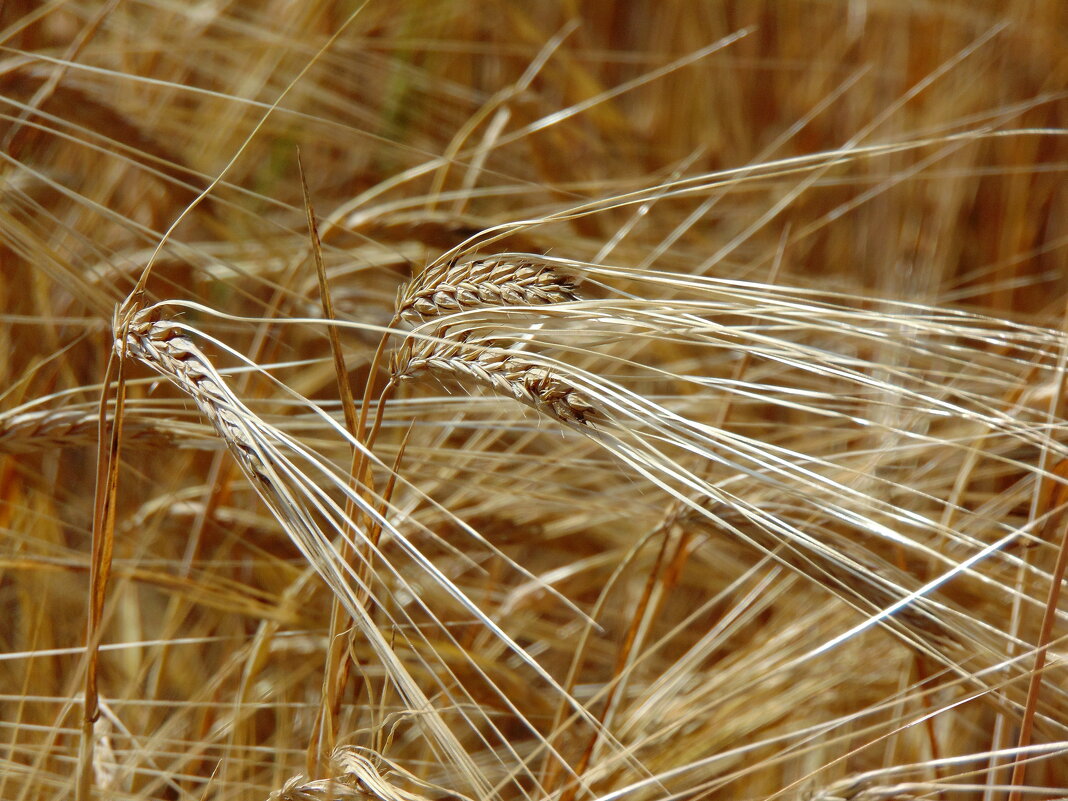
{"x":712,"y":441}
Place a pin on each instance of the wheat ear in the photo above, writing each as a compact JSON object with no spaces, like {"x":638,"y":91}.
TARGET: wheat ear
{"x":858,"y":788}
{"x":168,"y":349}
{"x":507,"y":372}
{"x":506,"y":280}
{"x":48,"y":429}
{"x":357,"y":773}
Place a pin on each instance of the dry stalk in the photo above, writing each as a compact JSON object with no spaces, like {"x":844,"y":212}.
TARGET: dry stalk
{"x":507,"y":372}
{"x":506,"y":280}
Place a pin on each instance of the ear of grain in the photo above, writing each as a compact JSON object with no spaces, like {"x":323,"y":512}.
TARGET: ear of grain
{"x":861,"y":788}
{"x":507,"y":372}
{"x":48,"y":429}
{"x":505,"y":280}
{"x":106,"y":773}
{"x":358,"y":774}
{"x":168,"y":349}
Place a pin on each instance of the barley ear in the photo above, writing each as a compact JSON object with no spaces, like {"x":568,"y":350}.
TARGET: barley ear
{"x":505,"y":280}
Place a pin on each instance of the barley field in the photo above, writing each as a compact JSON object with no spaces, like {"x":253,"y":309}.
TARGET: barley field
{"x":533,"y":401}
